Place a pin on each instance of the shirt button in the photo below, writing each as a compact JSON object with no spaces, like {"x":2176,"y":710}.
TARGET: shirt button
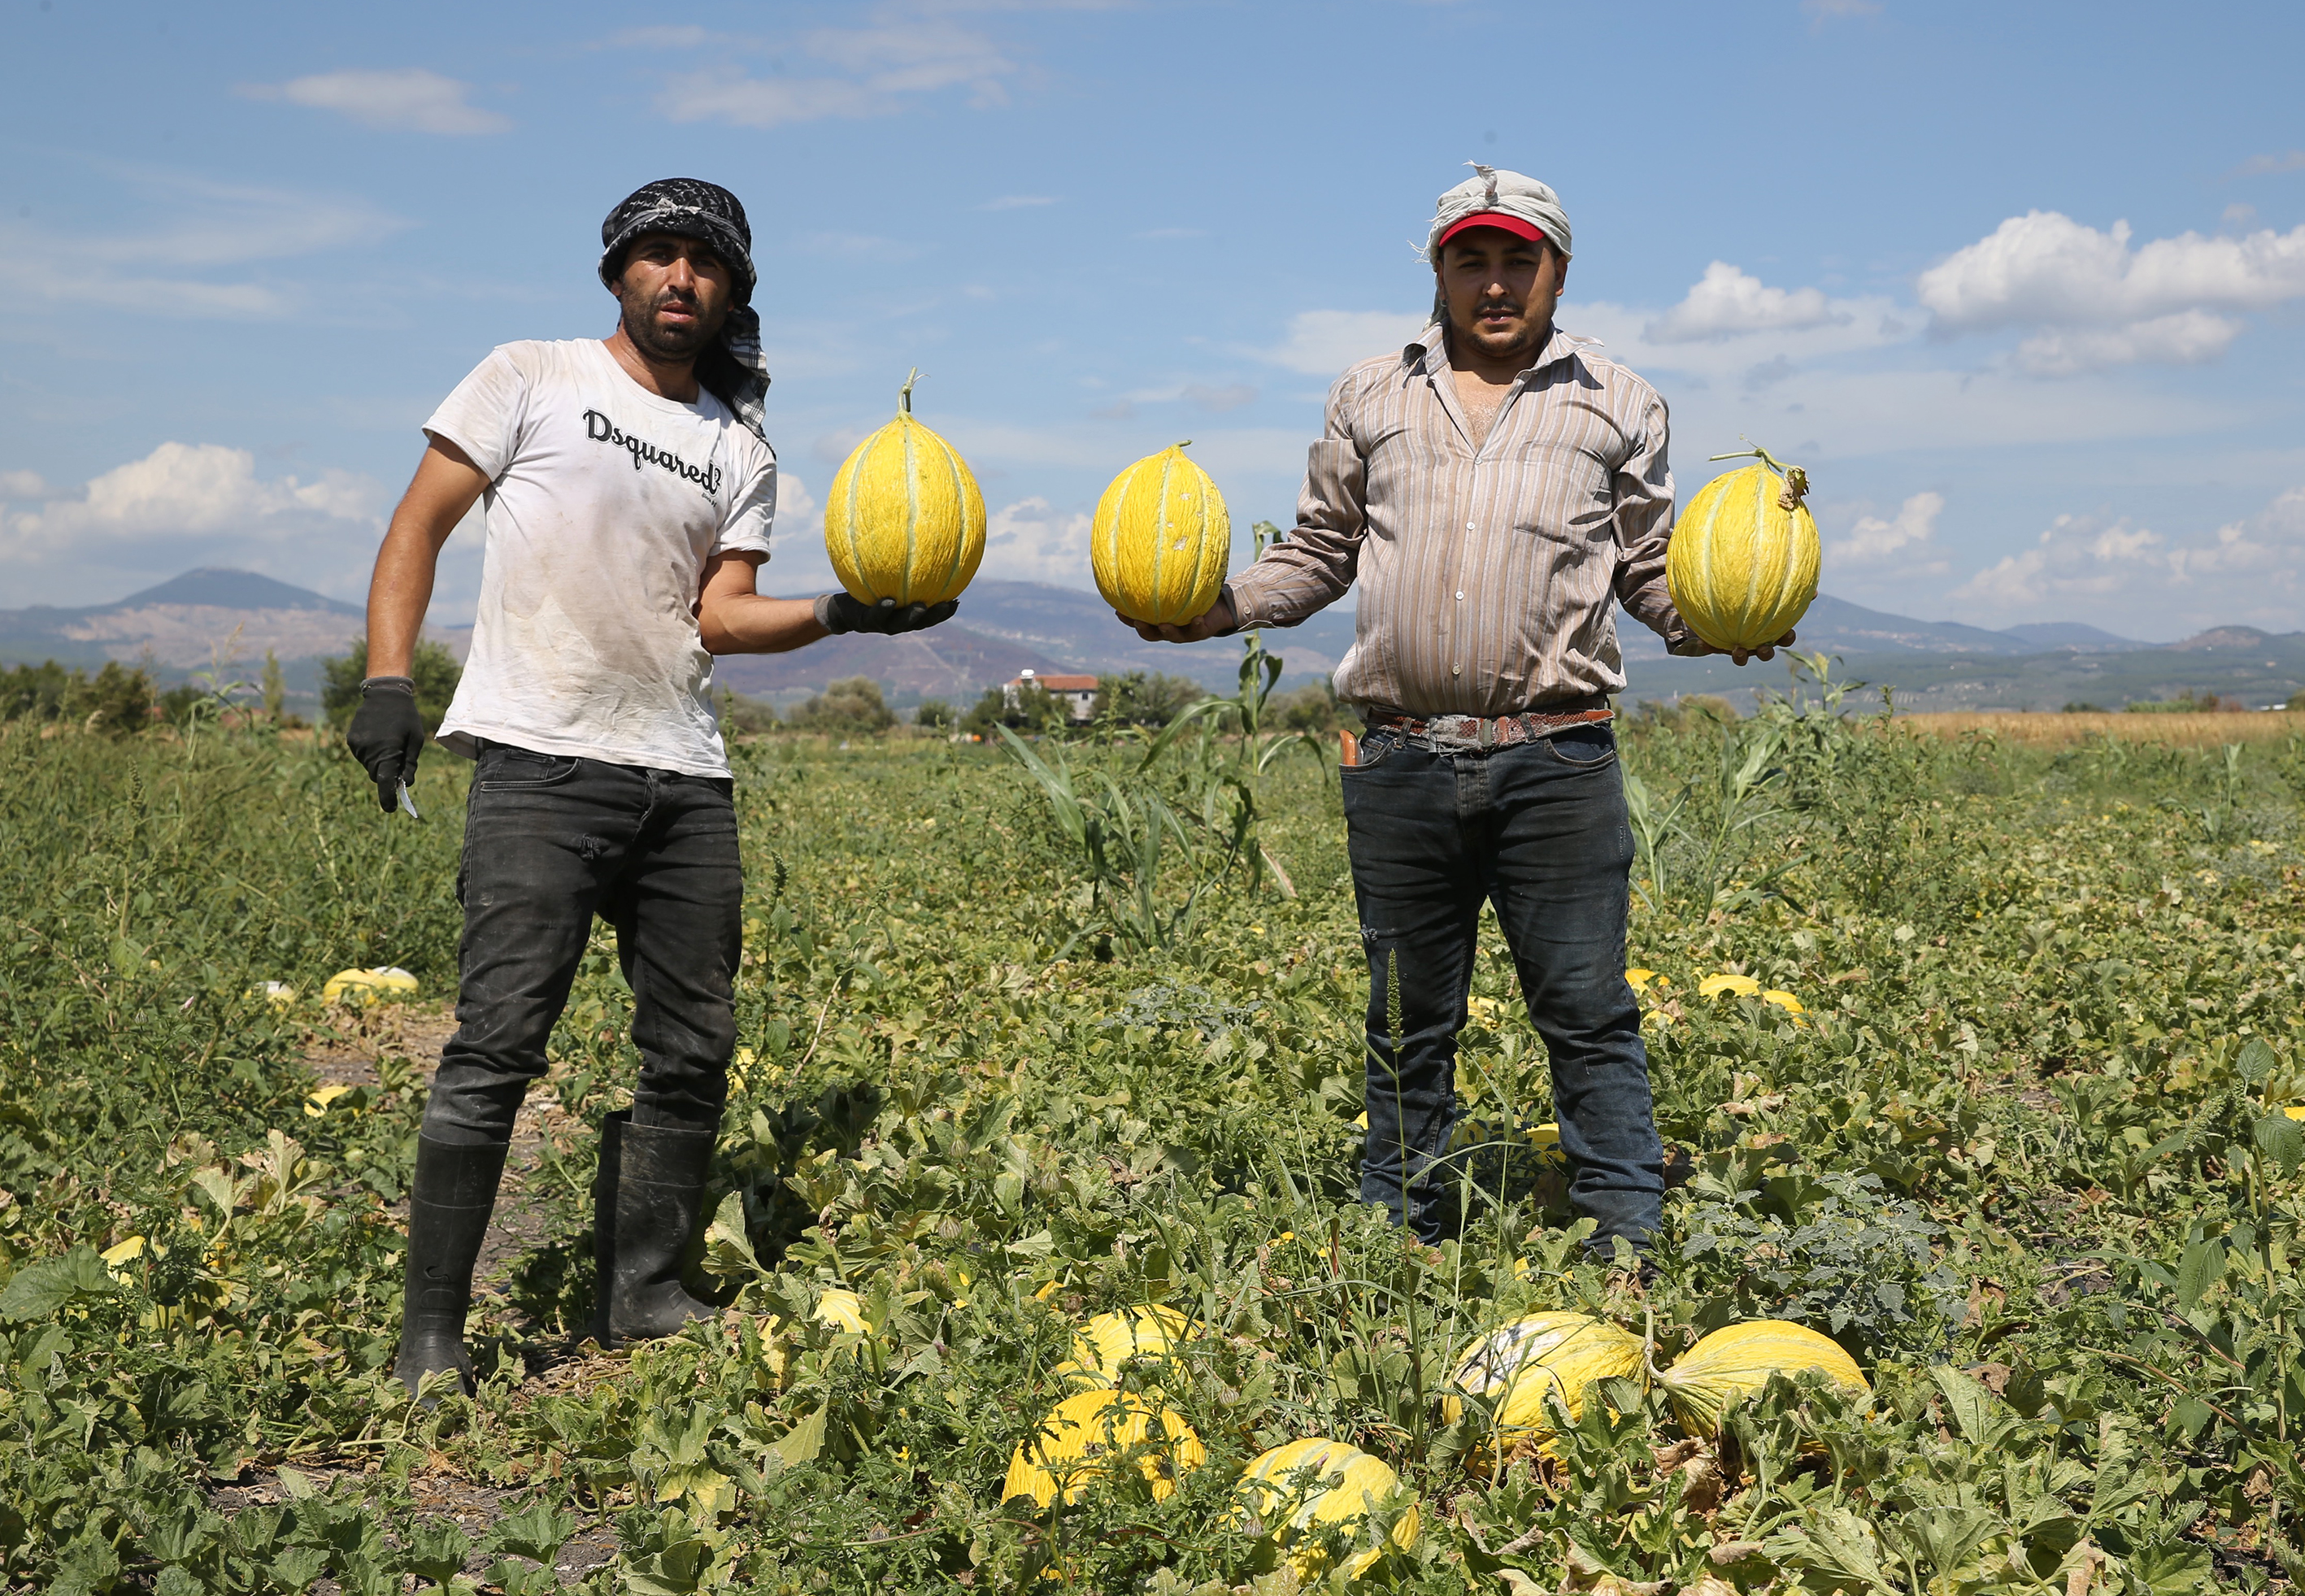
{"x":1456,"y":670}
{"x":1471,"y":528}
{"x":1461,"y":597}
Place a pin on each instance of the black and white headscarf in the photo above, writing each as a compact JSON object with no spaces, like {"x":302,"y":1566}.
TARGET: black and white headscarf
{"x":734,"y":368}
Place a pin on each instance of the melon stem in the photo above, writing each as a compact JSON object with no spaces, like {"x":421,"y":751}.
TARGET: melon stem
{"x":1796,"y":479}
{"x":1649,"y":1347}
{"x":904,"y":393}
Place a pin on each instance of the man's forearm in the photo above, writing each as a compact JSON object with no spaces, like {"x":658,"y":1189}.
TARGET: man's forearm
{"x":1292,"y":581}
{"x":445,"y":485}
{"x":398,"y":594}
{"x":756,"y":623}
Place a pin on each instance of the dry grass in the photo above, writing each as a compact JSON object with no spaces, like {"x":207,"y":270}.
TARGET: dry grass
{"x":2057,"y":731}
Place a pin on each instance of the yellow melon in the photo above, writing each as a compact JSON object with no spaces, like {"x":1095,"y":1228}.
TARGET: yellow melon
{"x":1107,"y":1340}
{"x":1517,"y":1365}
{"x":366,"y":986}
{"x":905,"y":519}
{"x":839,"y":1308}
{"x":1742,"y":563}
{"x":1081,"y":1436}
{"x":1736,"y":1360}
{"x":1294,"y":1491}
{"x":1162,"y":540}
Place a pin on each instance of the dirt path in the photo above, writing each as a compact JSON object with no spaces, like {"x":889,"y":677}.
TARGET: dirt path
{"x":359,"y":1048}
{"x":475,"y":1508}
{"x":349,"y":1056}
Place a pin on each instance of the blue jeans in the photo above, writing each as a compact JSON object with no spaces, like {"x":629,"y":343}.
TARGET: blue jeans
{"x":549,"y":842}
{"x":1539,"y":830}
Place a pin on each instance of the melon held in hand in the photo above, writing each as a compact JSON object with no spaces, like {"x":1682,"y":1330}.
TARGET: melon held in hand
{"x":1741,"y":566}
{"x":1162,"y":540}
{"x":905,"y":521}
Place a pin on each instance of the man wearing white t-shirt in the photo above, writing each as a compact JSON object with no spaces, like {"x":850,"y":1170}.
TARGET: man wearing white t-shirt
{"x":629,"y":497}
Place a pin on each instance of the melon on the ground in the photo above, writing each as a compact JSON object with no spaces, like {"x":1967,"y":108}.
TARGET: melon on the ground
{"x":1736,"y":1360}
{"x":1109,"y":1340}
{"x":1516,"y":1365}
{"x":1296,"y":1490}
{"x":1087,"y":1433}
{"x":366,"y":986}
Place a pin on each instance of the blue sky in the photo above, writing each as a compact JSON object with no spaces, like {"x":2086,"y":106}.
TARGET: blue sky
{"x":2023,"y":286}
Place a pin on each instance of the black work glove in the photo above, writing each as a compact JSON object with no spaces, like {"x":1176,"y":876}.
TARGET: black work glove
{"x":839,"y":612}
{"x":388,"y":736}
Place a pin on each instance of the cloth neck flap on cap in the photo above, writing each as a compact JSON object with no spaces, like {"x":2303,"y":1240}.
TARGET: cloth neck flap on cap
{"x":1506,"y":191}
{"x":734,"y":368}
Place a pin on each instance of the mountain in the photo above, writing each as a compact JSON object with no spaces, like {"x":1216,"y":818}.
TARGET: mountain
{"x":1006,"y":627}
{"x":1079,"y":631}
{"x":2260,"y":669}
{"x":183,"y":623}
{"x":1837,"y":627}
{"x":948,"y":662}
{"x":2072,"y":635}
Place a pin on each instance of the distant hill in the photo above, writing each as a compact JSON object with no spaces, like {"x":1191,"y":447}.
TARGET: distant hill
{"x":1839,"y":627}
{"x":2074,"y":635}
{"x":1004,"y":627}
{"x":183,"y":622}
{"x":2260,"y":669}
{"x":948,"y":662}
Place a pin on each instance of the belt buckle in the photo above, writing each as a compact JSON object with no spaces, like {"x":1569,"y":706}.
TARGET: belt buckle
{"x":1487,"y":733}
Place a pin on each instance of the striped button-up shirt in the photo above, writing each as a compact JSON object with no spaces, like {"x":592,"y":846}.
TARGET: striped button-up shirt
{"x":1489,"y":567}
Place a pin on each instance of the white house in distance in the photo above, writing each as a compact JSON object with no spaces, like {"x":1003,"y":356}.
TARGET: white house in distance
{"x":1077,"y":694}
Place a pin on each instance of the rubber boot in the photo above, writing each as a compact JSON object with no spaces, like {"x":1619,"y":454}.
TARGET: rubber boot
{"x":646,"y":1200}
{"x":448,"y":1206}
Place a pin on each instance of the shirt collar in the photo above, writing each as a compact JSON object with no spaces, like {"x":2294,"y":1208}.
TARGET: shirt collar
{"x":1428,"y":351}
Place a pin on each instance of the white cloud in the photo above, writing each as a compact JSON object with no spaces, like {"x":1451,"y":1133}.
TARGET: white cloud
{"x":199,"y":227}
{"x":872,"y":69}
{"x":797,"y":507}
{"x":670,"y":36}
{"x":404,"y":99}
{"x":2080,"y":556}
{"x":2268,"y":546}
{"x":2188,"y":338}
{"x":1323,"y":342}
{"x":22,"y":485}
{"x":1726,"y":302}
{"x":858,"y":246}
{"x":2095,"y":304}
{"x":2250,"y":570}
{"x":1031,"y":541}
{"x":2271,"y":166}
{"x":183,"y":491}
{"x":1231,"y":397}
{"x":1874,"y":541}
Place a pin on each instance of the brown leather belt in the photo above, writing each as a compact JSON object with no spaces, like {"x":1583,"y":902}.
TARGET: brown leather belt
{"x":1454,"y":732}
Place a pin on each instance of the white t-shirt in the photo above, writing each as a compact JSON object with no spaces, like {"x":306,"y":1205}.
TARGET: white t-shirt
{"x":604,"y":501}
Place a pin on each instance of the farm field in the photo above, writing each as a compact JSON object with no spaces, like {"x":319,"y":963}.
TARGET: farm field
{"x":2177,"y":729}
{"x":2008,"y":1126}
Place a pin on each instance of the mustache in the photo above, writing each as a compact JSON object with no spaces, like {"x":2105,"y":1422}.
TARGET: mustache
{"x":1510,"y":306}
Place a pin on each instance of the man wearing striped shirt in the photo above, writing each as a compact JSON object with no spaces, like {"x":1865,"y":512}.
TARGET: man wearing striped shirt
{"x":1496,"y":488}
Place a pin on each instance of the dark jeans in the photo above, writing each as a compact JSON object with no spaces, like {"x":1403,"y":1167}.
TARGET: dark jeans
{"x":1538,"y":830}
{"x":549,"y":842}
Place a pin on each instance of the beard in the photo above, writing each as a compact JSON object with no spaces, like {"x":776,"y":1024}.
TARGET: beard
{"x":670,"y":345}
